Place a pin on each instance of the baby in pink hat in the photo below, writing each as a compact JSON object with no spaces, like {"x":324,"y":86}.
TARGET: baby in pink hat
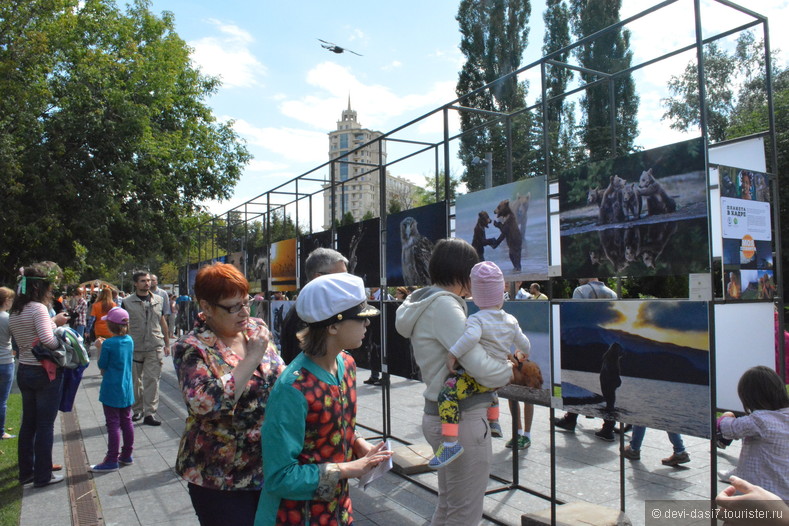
{"x":497,"y":332}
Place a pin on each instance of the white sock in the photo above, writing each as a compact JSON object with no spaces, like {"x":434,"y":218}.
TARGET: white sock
{"x":523,"y":433}
{"x":450,"y":444}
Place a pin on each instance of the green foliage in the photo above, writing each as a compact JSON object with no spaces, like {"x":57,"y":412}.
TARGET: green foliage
{"x":683,"y":106}
{"x":560,"y":122}
{"x":394,"y":206}
{"x":106,"y":136}
{"x":10,"y":489}
{"x":494,"y":37}
{"x":426,"y":194}
{"x":368,"y":215}
{"x":609,"y":53}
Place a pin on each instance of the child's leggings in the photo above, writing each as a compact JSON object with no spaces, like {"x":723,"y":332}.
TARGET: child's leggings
{"x":459,"y":387}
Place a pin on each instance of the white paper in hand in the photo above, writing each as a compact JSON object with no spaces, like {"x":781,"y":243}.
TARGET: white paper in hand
{"x":378,"y":470}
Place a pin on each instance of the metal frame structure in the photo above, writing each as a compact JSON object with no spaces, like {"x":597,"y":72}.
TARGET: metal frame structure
{"x":323,"y":179}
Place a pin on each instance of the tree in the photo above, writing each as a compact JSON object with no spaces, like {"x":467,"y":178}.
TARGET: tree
{"x":426,"y":194}
{"x":609,"y":53}
{"x":560,"y":122}
{"x":105,"y":134}
{"x":683,"y":108}
{"x":394,"y":206}
{"x":494,"y":36}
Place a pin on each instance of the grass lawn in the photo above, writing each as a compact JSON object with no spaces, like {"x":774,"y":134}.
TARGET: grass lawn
{"x":10,"y":490}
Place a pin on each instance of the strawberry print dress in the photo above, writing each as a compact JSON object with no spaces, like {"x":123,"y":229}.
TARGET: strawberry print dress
{"x":309,"y":427}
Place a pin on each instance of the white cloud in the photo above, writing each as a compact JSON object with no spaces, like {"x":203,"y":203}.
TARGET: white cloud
{"x":228,"y":56}
{"x":379,"y":107}
{"x":291,"y":143}
{"x":392,"y":65}
{"x":264,"y":166}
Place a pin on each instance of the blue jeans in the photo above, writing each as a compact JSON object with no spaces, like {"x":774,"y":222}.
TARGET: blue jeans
{"x":40,"y":402}
{"x":80,"y":330}
{"x":6,"y":380}
{"x":638,"y":438}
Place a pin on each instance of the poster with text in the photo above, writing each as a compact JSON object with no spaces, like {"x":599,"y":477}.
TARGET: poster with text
{"x":641,"y":362}
{"x":361,"y":244}
{"x":746,"y":229}
{"x":410,"y":236}
{"x":507,"y":225}
{"x":283,"y":265}
{"x":307,"y":244}
{"x":643,"y":214}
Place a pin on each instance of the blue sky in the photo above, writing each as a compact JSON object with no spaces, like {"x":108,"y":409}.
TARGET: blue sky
{"x":285,"y":92}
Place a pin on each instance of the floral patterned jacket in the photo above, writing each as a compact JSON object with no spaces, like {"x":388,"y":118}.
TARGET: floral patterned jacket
{"x":220,"y":447}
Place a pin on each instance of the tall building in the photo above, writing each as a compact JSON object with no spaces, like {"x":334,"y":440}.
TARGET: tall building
{"x":361,"y":195}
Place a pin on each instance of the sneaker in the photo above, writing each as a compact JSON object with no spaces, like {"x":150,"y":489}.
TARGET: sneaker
{"x":104,"y":467}
{"x":137,"y":417}
{"x":128,"y":461}
{"x":631,"y":454}
{"x":565,"y":424}
{"x":151,"y":420}
{"x":7,"y":436}
{"x":373,"y":381}
{"x":605,"y":434}
{"x":676,"y":459}
{"x":523,"y":442}
{"x":445,"y":455}
{"x":495,"y":430}
{"x":54,"y":480}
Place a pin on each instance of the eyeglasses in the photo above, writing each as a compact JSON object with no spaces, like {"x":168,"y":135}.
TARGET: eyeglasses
{"x":233,"y":309}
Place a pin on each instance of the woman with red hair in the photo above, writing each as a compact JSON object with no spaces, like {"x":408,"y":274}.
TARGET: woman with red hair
{"x":226,"y":367}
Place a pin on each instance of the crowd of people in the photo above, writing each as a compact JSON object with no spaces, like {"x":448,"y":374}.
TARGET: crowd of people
{"x":270,"y":433}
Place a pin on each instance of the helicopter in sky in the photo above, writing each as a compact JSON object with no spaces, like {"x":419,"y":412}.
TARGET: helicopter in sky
{"x":334,"y":48}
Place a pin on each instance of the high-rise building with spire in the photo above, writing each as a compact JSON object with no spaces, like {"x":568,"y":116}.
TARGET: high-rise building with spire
{"x":361,"y":195}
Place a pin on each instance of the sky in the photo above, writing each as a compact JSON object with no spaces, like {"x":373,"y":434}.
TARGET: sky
{"x":285,"y":93}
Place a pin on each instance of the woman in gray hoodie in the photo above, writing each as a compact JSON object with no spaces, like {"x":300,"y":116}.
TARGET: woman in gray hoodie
{"x":434,"y":319}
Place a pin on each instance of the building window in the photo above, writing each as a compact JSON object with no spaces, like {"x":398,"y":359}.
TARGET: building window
{"x":344,"y":140}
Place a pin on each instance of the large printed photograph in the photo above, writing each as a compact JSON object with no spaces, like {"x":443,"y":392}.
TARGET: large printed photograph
{"x":307,"y":244}
{"x":533,"y":318}
{"x":410,"y":236}
{"x":641,"y":362}
{"x":643,"y":214}
{"x":283,"y":265}
{"x":361,"y":244}
{"x":507,"y":225}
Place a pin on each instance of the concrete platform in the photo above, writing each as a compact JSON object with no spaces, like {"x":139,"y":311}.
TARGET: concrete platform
{"x":587,"y":469}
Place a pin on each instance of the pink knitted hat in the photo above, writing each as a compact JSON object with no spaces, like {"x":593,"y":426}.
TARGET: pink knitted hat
{"x":487,"y":285}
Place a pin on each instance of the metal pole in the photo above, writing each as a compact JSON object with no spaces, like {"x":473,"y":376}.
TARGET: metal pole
{"x":489,"y":170}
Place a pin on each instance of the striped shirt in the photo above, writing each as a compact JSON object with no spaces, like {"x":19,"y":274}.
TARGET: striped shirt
{"x":32,"y":324}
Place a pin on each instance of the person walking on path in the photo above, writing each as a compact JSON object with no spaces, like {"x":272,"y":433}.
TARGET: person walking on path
{"x":167,"y":309}
{"x":6,"y":358}
{"x":226,"y":366}
{"x":434,"y":318}
{"x":321,"y":261}
{"x":588,"y":289}
{"x":309,"y":439}
{"x":40,"y":382}
{"x":148,"y":329}
{"x":117,"y":390}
